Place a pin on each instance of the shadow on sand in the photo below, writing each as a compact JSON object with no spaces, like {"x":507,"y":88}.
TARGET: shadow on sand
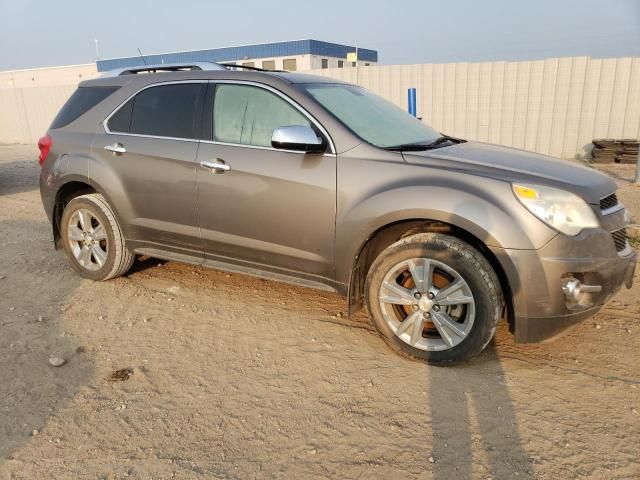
{"x":480,"y":432}
{"x":32,"y":290}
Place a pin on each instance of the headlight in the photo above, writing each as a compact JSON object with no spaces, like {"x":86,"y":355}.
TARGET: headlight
{"x":559,"y":209}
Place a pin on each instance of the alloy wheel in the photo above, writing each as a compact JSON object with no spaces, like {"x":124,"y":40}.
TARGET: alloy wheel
{"x":427,"y":304}
{"x":88,"y":239}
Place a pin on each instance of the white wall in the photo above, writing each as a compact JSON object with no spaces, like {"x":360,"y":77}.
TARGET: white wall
{"x":303,"y":62}
{"x":554,"y":106}
{"x":29,"y":99}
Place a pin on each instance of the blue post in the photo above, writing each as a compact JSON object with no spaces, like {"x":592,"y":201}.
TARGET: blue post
{"x":413,"y":110}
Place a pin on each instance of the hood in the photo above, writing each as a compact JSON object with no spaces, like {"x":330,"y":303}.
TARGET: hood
{"x":514,"y":165}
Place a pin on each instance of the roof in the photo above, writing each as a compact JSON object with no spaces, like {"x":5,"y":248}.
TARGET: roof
{"x":243,"y":75}
{"x":227,"y":54}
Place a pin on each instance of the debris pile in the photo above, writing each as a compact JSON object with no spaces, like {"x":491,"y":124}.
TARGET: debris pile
{"x":618,"y":151}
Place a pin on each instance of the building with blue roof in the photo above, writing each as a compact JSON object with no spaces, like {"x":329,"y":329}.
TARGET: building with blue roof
{"x":291,"y":55}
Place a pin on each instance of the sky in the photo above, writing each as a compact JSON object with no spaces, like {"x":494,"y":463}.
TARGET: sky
{"x":40,"y":33}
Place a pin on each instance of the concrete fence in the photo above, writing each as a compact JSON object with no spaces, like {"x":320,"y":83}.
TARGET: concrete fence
{"x":554,"y":106}
{"x":29,"y":99}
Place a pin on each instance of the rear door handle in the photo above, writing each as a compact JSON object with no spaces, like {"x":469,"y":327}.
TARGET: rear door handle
{"x":116,"y":148}
{"x":217,"y":166}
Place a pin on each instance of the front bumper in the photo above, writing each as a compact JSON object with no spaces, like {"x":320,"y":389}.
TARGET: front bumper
{"x":540,"y":309}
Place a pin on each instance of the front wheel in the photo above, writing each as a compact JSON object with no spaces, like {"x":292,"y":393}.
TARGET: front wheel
{"x":433,"y":297}
{"x":93,"y":240}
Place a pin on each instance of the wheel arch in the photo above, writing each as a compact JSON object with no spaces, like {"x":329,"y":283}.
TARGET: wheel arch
{"x":69,"y":190}
{"x":392,"y":232}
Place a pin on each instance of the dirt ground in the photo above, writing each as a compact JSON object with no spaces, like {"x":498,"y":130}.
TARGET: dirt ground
{"x":236,"y":377}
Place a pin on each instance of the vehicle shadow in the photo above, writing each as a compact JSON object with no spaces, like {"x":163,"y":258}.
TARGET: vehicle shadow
{"x":143,"y":263}
{"x":479,"y":438}
{"x":34,"y":291}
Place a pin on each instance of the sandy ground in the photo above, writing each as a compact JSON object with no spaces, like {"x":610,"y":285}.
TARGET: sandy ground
{"x":235,"y":377}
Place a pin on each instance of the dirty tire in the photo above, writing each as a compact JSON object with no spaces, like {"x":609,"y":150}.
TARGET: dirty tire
{"x":119,"y":259}
{"x":474,"y":269}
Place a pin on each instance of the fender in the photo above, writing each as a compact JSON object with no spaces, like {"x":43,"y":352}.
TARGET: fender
{"x":65,"y":169}
{"x":486,"y":213}
{"x":72,"y":169}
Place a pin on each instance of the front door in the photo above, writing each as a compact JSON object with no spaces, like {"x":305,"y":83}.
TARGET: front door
{"x":260,"y":207}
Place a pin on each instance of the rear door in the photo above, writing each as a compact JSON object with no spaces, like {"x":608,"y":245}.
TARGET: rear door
{"x":271,"y":209}
{"x":150,"y":146}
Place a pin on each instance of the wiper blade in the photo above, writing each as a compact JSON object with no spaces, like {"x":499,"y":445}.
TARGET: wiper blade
{"x":409,"y":147}
{"x":418,"y":146}
{"x":443,"y":139}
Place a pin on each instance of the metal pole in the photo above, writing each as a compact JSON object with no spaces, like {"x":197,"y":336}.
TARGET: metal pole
{"x":357,"y":79}
{"x":97,"y":54}
{"x":637,"y":179}
{"x":412,"y":101}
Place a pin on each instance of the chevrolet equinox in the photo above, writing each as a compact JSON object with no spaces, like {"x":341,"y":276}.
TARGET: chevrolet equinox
{"x":320,"y":183}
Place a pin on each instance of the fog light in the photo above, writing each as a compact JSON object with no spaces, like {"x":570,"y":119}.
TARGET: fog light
{"x":576,"y":293}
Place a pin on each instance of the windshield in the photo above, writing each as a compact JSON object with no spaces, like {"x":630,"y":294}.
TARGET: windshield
{"x":371,"y":117}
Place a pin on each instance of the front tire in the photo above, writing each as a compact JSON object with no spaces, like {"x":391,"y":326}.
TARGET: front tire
{"x":434,"y":298}
{"x":93,"y":240}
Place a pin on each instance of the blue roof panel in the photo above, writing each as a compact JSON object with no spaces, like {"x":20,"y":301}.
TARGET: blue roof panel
{"x":227,"y":54}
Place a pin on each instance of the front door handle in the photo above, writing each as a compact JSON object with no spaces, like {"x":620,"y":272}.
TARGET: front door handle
{"x":217,"y":166}
{"x":116,"y":148}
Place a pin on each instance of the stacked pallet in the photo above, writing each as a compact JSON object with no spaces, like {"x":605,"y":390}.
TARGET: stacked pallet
{"x":619,"y":151}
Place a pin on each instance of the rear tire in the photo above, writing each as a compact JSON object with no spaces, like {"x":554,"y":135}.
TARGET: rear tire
{"x":93,"y":240}
{"x":434,"y":298}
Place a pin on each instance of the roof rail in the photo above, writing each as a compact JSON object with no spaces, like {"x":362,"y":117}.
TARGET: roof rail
{"x":164,"y":67}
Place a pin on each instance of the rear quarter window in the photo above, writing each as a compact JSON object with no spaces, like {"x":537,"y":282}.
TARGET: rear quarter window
{"x":82,"y":100}
{"x":120,"y":120}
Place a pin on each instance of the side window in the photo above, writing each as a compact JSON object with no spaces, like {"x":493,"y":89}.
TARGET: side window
{"x":163,"y":111}
{"x":248,"y":115}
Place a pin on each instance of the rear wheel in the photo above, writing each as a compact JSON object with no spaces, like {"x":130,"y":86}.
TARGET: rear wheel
{"x":93,"y":240}
{"x":433,"y":297}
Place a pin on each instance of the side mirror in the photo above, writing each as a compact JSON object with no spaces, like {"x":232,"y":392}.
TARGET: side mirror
{"x":297,"y":137}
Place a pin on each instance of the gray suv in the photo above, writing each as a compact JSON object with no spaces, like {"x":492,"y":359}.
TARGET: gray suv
{"x":320,"y":183}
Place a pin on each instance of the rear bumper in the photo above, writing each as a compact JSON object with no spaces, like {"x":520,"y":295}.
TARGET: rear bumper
{"x":540,"y":308}
{"x":47,"y":196}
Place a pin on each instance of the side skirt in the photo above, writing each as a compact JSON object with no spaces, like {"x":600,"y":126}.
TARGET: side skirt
{"x":234,"y":268}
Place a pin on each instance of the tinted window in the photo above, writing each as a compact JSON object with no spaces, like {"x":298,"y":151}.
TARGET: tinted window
{"x":82,"y":100}
{"x":325,"y":63}
{"x":119,"y":122}
{"x":249,"y":115}
{"x":269,"y":64}
{"x":168,"y":111}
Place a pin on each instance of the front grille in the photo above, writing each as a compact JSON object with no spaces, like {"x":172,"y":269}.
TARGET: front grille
{"x":620,"y":239}
{"x":609,"y":201}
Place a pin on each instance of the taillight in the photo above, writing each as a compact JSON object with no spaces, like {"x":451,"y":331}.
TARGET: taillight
{"x":44,"y":144}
